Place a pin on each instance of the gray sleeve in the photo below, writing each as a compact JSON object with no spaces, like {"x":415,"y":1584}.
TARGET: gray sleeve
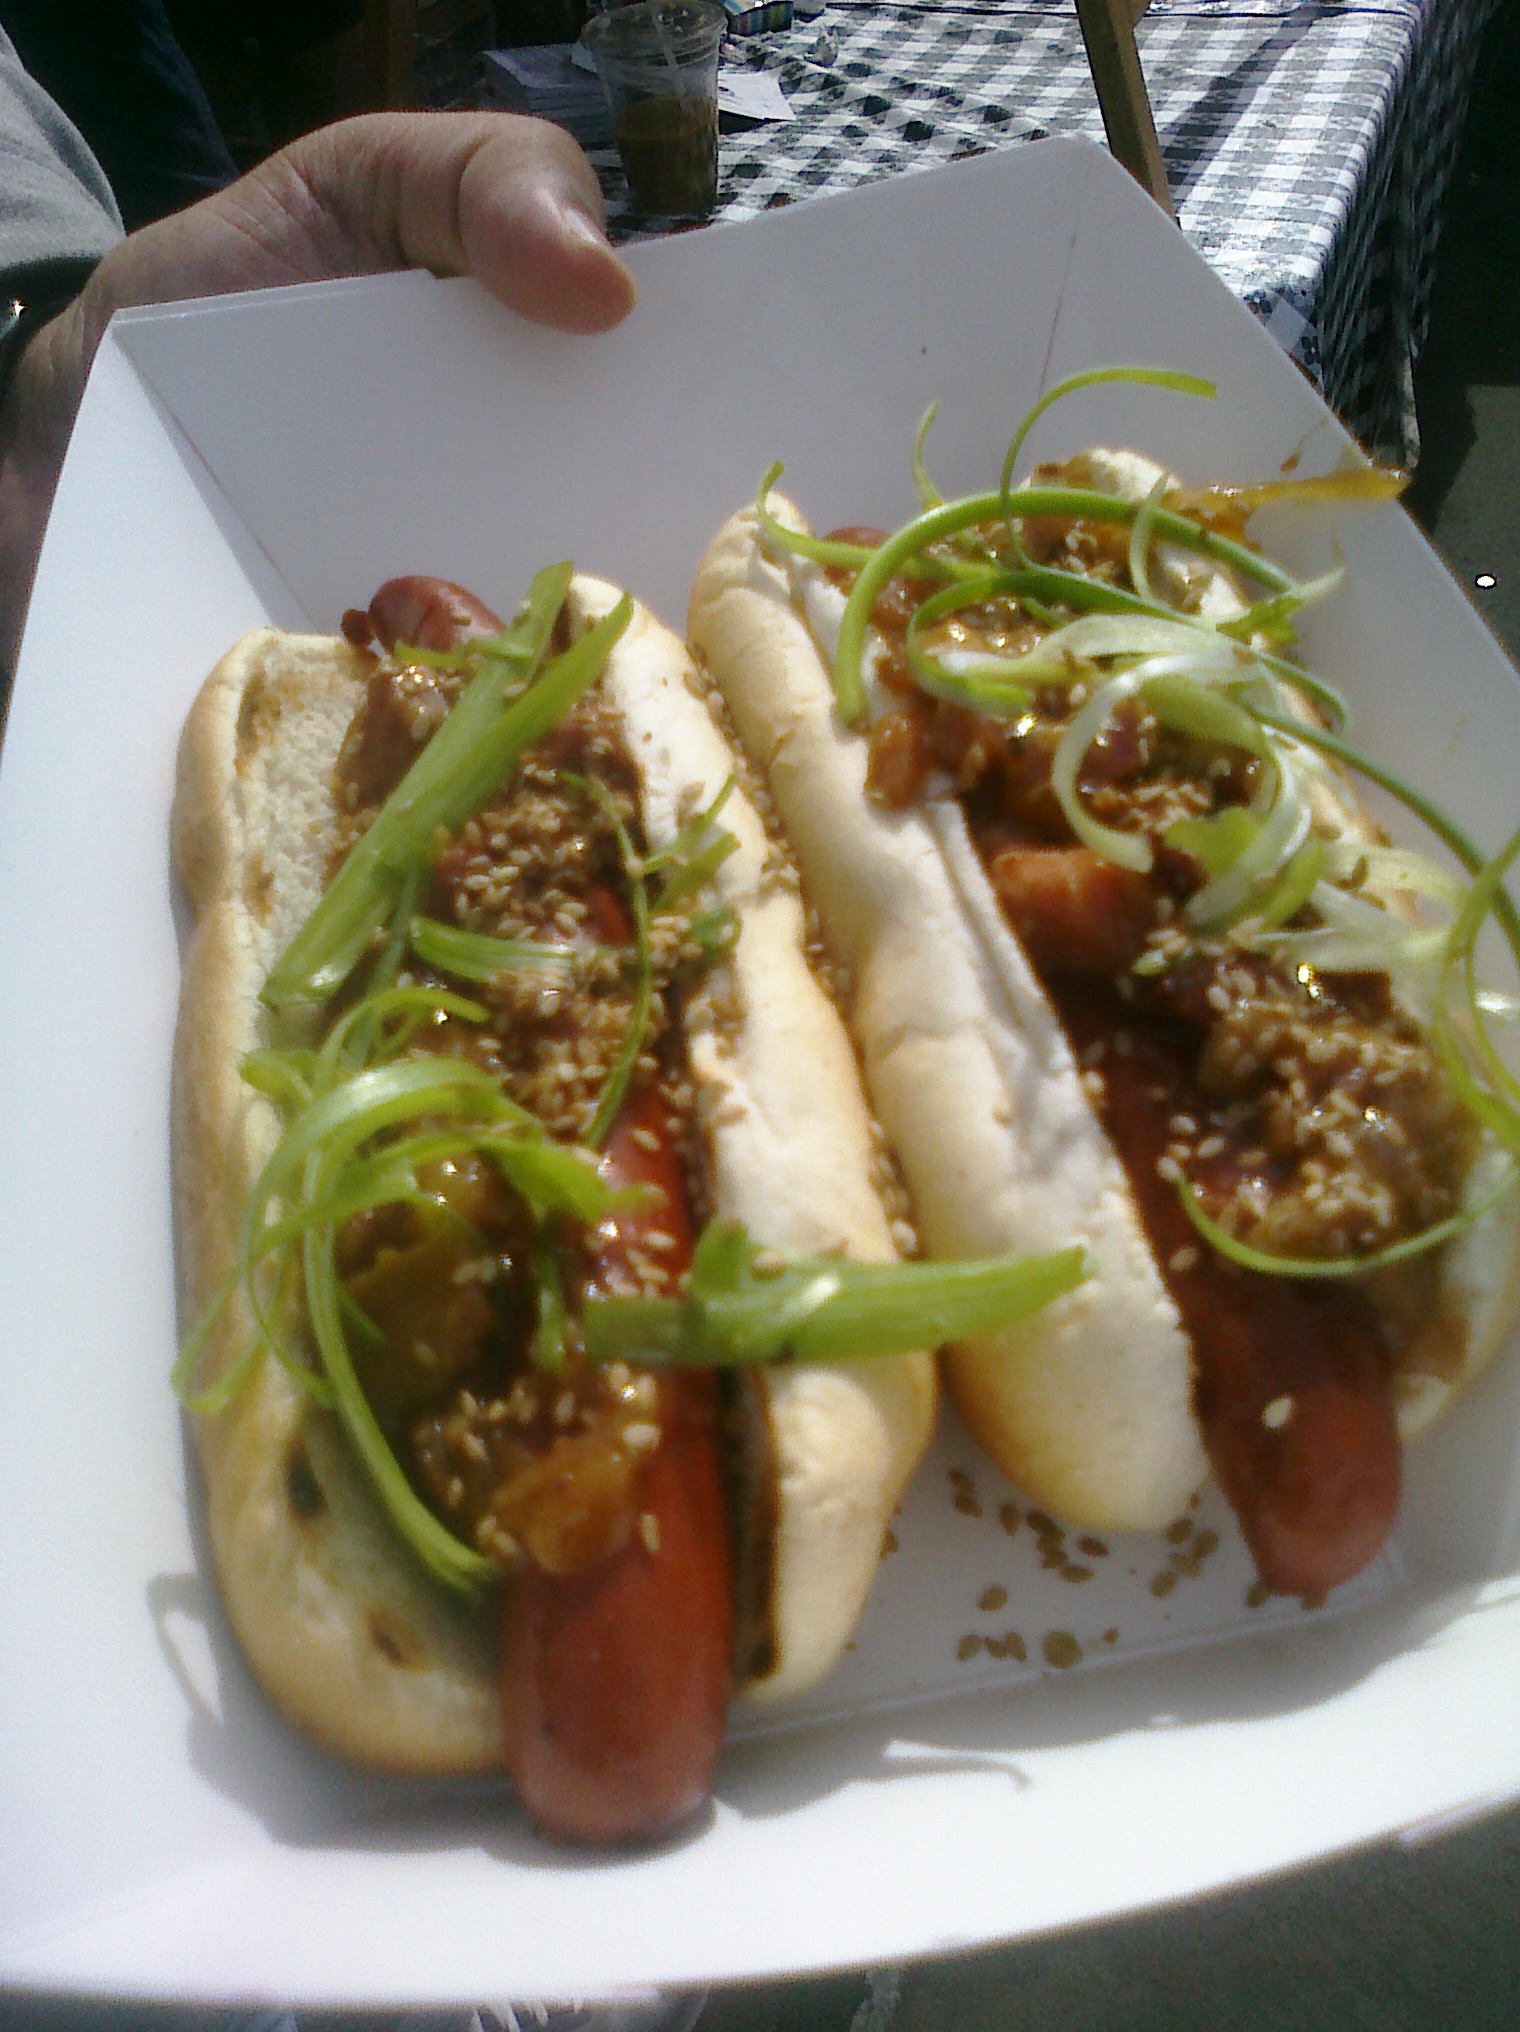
{"x":57,"y":214}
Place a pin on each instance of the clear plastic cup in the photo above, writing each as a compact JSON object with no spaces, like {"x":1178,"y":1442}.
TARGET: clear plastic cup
{"x":658,"y":63}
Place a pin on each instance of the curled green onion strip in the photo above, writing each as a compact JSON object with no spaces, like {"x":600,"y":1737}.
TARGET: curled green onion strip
{"x":1273,"y":617}
{"x":741,"y":1309}
{"x":1434,"y":1237}
{"x":367,"y":1113}
{"x":1206,"y":712}
{"x":851,"y":556}
{"x":1140,"y":540}
{"x":692,"y":838}
{"x":1498,"y":1108}
{"x":1263,"y":862}
{"x":1094,"y":377}
{"x":1295,"y":884}
{"x":476,"y":956}
{"x":615,"y":1086}
{"x":1430,"y":815}
{"x":695,"y":873}
{"x":1071,"y":503}
{"x":448,"y":1558}
{"x":464,"y":763}
{"x":924,"y":489}
{"x":985,"y":685}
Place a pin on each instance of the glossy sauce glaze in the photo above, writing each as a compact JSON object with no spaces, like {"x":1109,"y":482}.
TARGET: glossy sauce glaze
{"x":1293,"y":1377}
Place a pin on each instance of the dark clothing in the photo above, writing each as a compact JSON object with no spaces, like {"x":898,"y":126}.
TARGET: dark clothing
{"x":117,"y":71}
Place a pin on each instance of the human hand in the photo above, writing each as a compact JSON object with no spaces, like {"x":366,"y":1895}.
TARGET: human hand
{"x":508,"y":200}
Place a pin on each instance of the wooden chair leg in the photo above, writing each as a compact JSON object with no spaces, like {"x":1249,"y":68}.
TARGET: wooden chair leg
{"x":1108,"y":29}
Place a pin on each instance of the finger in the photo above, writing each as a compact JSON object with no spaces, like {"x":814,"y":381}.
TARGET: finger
{"x":510,"y":200}
{"x":537,"y":242}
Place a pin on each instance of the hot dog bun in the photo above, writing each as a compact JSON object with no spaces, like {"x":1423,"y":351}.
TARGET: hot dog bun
{"x":1088,"y":1405}
{"x":352,"y":1639}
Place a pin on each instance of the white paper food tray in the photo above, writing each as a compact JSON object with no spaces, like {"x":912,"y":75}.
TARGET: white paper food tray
{"x":274,"y":458}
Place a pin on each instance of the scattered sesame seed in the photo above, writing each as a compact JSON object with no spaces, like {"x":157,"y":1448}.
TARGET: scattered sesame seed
{"x":1061,"y":1649}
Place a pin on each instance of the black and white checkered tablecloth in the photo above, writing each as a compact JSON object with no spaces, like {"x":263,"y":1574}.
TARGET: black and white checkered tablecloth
{"x":1308,"y":143}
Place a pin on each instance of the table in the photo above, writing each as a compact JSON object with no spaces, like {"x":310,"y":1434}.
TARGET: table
{"x":1309,"y":146}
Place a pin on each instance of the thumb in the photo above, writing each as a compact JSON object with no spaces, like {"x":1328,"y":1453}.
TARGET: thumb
{"x":509,"y":200}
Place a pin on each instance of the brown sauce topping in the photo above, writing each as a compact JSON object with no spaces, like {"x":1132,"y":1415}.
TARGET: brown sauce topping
{"x":1308,"y":1113}
{"x":1292,"y":1380}
{"x":521,"y":1461}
